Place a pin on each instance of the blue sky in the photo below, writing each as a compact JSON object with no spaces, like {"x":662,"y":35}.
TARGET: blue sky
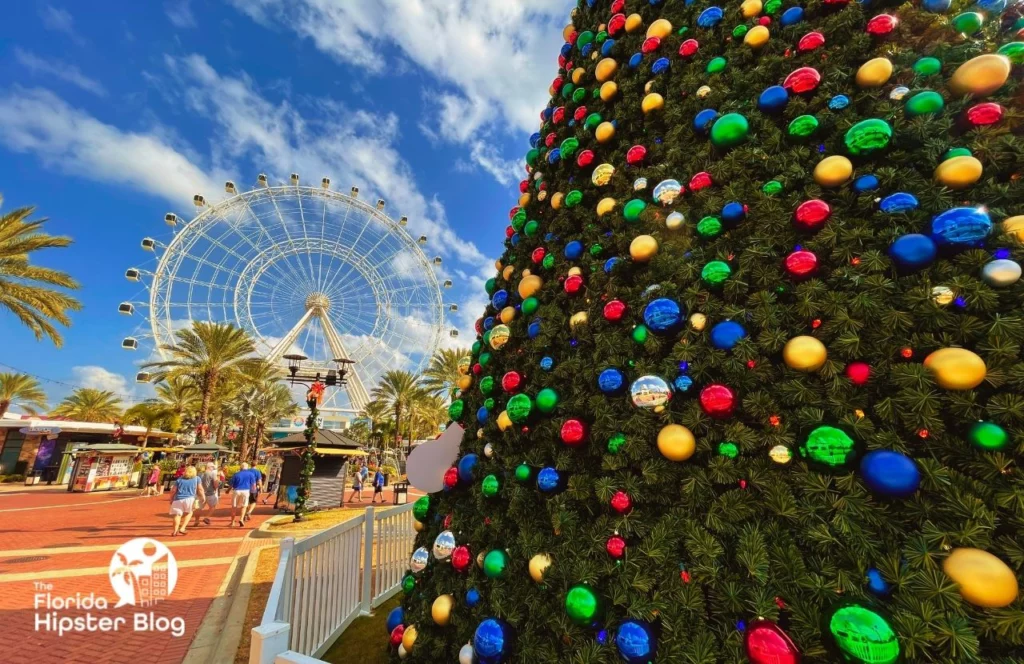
{"x":111,"y":117}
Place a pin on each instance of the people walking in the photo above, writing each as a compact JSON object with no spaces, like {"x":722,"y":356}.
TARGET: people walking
{"x":274,"y":475}
{"x":357,"y":484}
{"x":209,"y":481}
{"x":183,"y":498}
{"x":152,"y":482}
{"x":254,"y":494}
{"x":241,"y":487}
{"x":378,"y":486}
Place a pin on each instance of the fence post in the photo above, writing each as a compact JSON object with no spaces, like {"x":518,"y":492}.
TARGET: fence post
{"x":284,"y":607}
{"x":367,"y":595}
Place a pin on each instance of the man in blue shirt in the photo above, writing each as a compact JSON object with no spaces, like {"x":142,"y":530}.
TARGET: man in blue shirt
{"x":241,"y":485}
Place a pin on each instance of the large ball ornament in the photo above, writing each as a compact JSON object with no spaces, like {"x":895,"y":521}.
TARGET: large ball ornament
{"x":466,"y":655}
{"x":854,"y":627}
{"x":800,"y":265}
{"x":676,"y":442}
{"x":604,"y":132}
{"x":490,"y":486}
{"x":609,"y":91}
{"x":421,"y":508}
{"x":1001,"y":273}
{"x":511,"y":381}
{"x":636,"y":642}
{"x":874,"y":73}
{"x":1014,"y":226}
{"x":643,"y":248}
{"x":606,"y":69}
{"x":455,"y":409}
{"x":767,"y":643}
{"x":718,"y":401}
{"x":550,"y":480}
{"x":729,"y":130}
{"x":529,"y":285}
{"x":621,"y":502}
{"x":395,"y":618}
{"x":504,"y":421}
{"x":988,"y":436}
{"x":467,"y":465}
{"x":829,"y":446}
{"x":489,"y":450}
{"x":858,"y":373}
{"x":663,"y":316}
{"x":698,"y":321}
{"x":913,"y":252}
{"x":650,"y":392}
{"x":547,"y":400}
{"x":519,"y":408}
{"x":984,"y":579}
{"x":538,"y":566}
{"x":868,"y":136}
{"x":472,"y":597}
{"x":396,"y":636}
{"x":611,"y":381}
{"x":420,"y":558}
{"x":750,"y":8}
{"x":652,"y":102}
{"x":659,"y":28}
{"x":582,"y":604}
{"x":444,"y":544}
{"x":409,"y":638}
{"x":725,"y":335}
{"x":961,"y":227}
{"x":802,"y":80}
{"x":573,"y":432}
{"x":499,"y":336}
{"x":495,"y":563}
{"x":461,"y":558}
{"x":577,"y":319}
{"x":756,"y":37}
{"x":441,"y":609}
{"x":492,"y":641}
{"x":890,"y":473}
{"x":956,"y":368}
{"x":980,"y":76}
{"x":958,"y":172}
{"x":804,"y":353}
{"x":833,"y":171}
{"x":811,"y":215}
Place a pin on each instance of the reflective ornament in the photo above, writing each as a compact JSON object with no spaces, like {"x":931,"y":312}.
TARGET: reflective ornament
{"x":800,"y":265}
{"x":874,"y":73}
{"x":547,"y":400}
{"x":408,"y":583}
{"x":409,"y":638}
{"x":959,"y":172}
{"x":780,"y":454}
{"x":667,"y":191}
{"x":702,"y":121}
{"x":492,"y":641}
{"x":652,"y":102}
{"x":650,"y":392}
{"x":725,"y":335}
{"x":615,"y":547}
{"x":467,"y":465}
{"x":455,"y":409}
{"x":988,"y":436}
{"x":519,"y":408}
{"x":791,"y":16}
{"x":444,"y":544}
{"x":611,"y":381}
{"x":489,"y":450}
{"x":927,"y":66}
{"x":810,"y":216}
{"x":659,"y":28}
{"x":636,"y":642}
{"x":802,"y":126}
{"x":729,"y":130}
{"x":865,"y":183}
{"x":663,"y":316}
{"x":441,"y":610}
{"x":631,"y":210}
{"x":829,"y":446}
{"x":898,"y":203}
{"x":419,"y":560}
{"x":549,"y":480}
{"x":529,"y":286}
{"x":863,"y":635}
{"x":577,"y":319}
{"x":1001,"y":273}
{"x":839,"y":102}
{"x":523,"y":473}
{"x":1014,"y":227}
{"x":640,"y":184}
{"x":718,"y":401}
{"x":968,"y":22}
{"x":804,"y":353}
{"x":858,"y":373}
{"x":956,"y":368}
{"x":582,"y":604}
{"x":913,"y":252}
{"x":636,"y":155}
{"x":421,"y":508}
{"x":1014,"y":51}
{"x":609,"y":91}
{"x":942,"y":295}
{"x":810,"y":42}
{"x":984,"y":579}
{"x":605,"y":69}
{"x":756,"y":37}
{"x":395,"y":618}
{"x":511,"y":381}
{"x":709,"y":227}
{"x":538,"y":565}
{"x":881,"y":25}
{"x":710,"y":17}
{"x":750,"y":8}
{"x":573,"y":432}
{"x":715,"y":273}
{"x":621,"y":502}
{"x":604,"y":206}
{"x":773,"y":99}
{"x":890,"y":473}
{"x":961,"y":227}
{"x":802,"y":80}
{"x":604,"y":132}
{"x":833,"y":171}
{"x":980,"y":76}
{"x":676,"y":442}
{"x":500,"y":336}
{"x":495,"y":563}
{"x":616,"y":443}
{"x":602,"y":175}
{"x":472,"y":597}
{"x":937,"y":6}
{"x":490,"y":486}
{"x":614,"y":311}
{"x":504,"y":422}
{"x":466,"y":655}
{"x":766,"y":643}
{"x":698,"y":321}
{"x":868,"y":136}
{"x":924,"y":103}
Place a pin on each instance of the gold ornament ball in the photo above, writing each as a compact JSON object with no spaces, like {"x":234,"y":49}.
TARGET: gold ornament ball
{"x":557,"y":199}
{"x":751,"y":8}
{"x":507,"y":315}
{"x":609,"y":91}
{"x":756,"y":37}
{"x":575,"y":270}
{"x":538,"y":565}
{"x":567,"y":31}
{"x":980,"y":76}
{"x":676,"y":442}
{"x":634,"y":22}
{"x":602,"y":175}
{"x":504,"y":421}
{"x":402,"y":652}
{"x":605,"y":205}
{"x":956,"y":368}
{"x":984,"y":579}
{"x":833,"y":171}
{"x":652,"y":102}
{"x":1015,"y":226}
{"x":958,"y":172}
{"x":524,"y":200}
{"x":526,"y":272}
{"x":804,"y":353}
{"x":418,"y":526}
{"x":703,"y":91}
{"x":497,"y":264}
{"x":660,"y":29}
{"x":780,"y":454}
{"x":577,"y":319}
{"x":480,"y":559}
{"x":542,"y":195}
{"x":606,"y":69}
{"x":698,"y":321}
{"x":643,"y":248}
{"x":529,"y":285}
{"x":507,"y":273}
{"x":648,"y":85}
{"x":465,"y":382}
{"x":441,"y":609}
{"x":578,"y":75}
{"x":942,"y":295}
{"x":409,"y":638}
{"x":605,"y":132}
{"x":675,"y":220}
{"x":874,"y":73}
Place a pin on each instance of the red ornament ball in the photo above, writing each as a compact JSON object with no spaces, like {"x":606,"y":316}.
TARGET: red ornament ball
{"x":396,"y":635}
{"x":550,"y":139}
{"x":881,"y":25}
{"x":810,"y":41}
{"x":718,"y":401}
{"x":573,"y":36}
{"x":804,"y":79}
{"x":801,"y":264}
{"x":509,"y":232}
{"x":538,"y":255}
{"x":614,"y":311}
{"x":765,"y":21}
{"x":766,"y":643}
{"x":524,"y":186}
{"x":700,"y":181}
{"x":616,"y":24}
{"x":650,"y":45}
{"x":617,"y":6}
{"x":987,"y":113}
{"x":513,"y":212}
{"x":574,"y":432}
{"x":461,"y":558}
{"x":616,"y":547}
{"x":689,"y":48}
{"x":621,"y":502}
{"x":511,"y":381}
{"x":636,"y":155}
{"x":858,"y":373}
{"x":478,"y":369}
{"x":558,"y":115}
{"x":451,"y":477}
{"x":573,"y":284}
{"x":580,"y":114}
{"x":907,"y":352}
{"x":558,"y":83}
{"x":811,"y":215}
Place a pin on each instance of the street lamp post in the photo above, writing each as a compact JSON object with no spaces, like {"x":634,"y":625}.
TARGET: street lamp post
{"x":314,"y":396}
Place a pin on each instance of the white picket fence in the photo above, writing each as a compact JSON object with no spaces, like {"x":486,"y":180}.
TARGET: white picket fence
{"x":326,"y":581}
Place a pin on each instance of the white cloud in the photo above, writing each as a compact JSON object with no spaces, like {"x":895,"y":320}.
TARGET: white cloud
{"x":179,"y":13}
{"x":60,"y":20}
{"x":60,"y":70}
{"x":100,"y":379}
{"x":69,"y":140}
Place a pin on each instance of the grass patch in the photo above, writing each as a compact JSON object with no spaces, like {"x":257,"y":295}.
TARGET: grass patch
{"x":317,"y":520}
{"x":366,"y":639}
{"x":262,"y":581}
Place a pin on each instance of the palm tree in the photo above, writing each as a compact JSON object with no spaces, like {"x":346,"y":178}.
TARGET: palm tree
{"x":397,"y":389}
{"x":179,"y":395}
{"x":87,"y":404}
{"x":426,"y":413}
{"x":442,"y":376}
{"x":274,"y":403}
{"x":23,"y":390}
{"x":206,"y":352}
{"x":25,"y":289}
{"x":152,"y":415}
{"x":252,"y":398}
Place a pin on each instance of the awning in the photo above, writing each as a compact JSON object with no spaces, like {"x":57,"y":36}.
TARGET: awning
{"x":323,"y":437}
{"x":161,"y":449}
{"x":205,"y":448}
{"x":323,"y":451}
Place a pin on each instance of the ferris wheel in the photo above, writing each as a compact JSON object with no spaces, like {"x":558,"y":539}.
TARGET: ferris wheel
{"x":306,"y":271}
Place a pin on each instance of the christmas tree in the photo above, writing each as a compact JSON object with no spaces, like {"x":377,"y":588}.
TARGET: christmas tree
{"x":750,"y":386}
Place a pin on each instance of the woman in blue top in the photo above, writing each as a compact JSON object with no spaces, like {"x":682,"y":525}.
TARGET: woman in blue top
{"x":183,"y":499}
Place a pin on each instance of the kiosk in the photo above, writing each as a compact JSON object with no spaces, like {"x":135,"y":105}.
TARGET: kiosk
{"x":104,"y":466}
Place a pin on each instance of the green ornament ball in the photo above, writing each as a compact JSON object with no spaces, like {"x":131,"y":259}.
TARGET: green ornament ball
{"x":716,"y":65}
{"x":640,"y":333}
{"x":924,"y":102}
{"x":489,"y":403}
{"x":802,"y":126}
{"x":523,"y":473}
{"x":421,"y":508}
{"x":532,"y":156}
{"x":530,"y":305}
{"x":616,"y":443}
{"x":988,"y":436}
{"x":927,"y":66}
{"x":632,"y":209}
{"x":573,"y":198}
{"x":531,"y":228}
{"x":593,"y":120}
{"x":455,"y":409}
{"x":709,"y":227}
{"x":729,"y":130}
{"x":487,"y":384}
{"x":475,"y":348}
{"x":485,"y":359}
{"x":490,"y":286}
{"x":495,"y":563}
{"x":490,"y":486}
{"x":547,"y":400}
{"x":601,"y":36}
{"x":486,"y":338}
{"x":739,"y":31}
{"x":596,"y":249}
{"x":408,"y":584}
{"x":519,"y":408}
{"x":519,"y":218}
{"x":728,"y":449}
{"x":772,"y":188}
{"x":968,"y":23}
{"x":829,"y":446}
{"x":518,"y":223}
{"x":579,"y":94}
{"x":868,"y":136}
{"x":772,"y":6}
{"x":956,"y":152}
{"x":715,"y":273}
{"x":1014,"y":51}
{"x":569,"y":146}
{"x":582,"y":604}
{"x":567,"y":90}
{"x":548,"y":262}
{"x":584,"y":38}
{"x":864,"y":635}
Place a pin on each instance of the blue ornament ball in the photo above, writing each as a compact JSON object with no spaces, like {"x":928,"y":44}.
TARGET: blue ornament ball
{"x":466,"y":466}
{"x":565,"y":50}
{"x":725,"y":335}
{"x":660,"y":66}
{"x":499,"y":299}
{"x":913,"y":251}
{"x":704,"y":119}
{"x":898,"y":203}
{"x":549,"y":479}
{"x":489,"y":322}
{"x":636,"y":642}
{"x":607,"y":47}
{"x":611,"y":381}
{"x":492,"y":641}
{"x":395,"y":618}
{"x":610,"y":264}
{"x":937,"y":6}
{"x":573,"y":250}
{"x":472,"y":597}
{"x":663,"y":316}
{"x":710,"y":17}
{"x":865,"y":183}
{"x":547,"y":363}
{"x":733,"y":212}
{"x":554,"y":156}
{"x":839,"y":102}
{"x":773,"y":99}
{"x":877,"y":583}
{"x":890,"y":473}
{"x":514,"y":239}
{"x":481,"y":415}
{"x":587,"y":49}
{"x":635,"y":60}
{"x":791,"y":16}
{"x":961,"y":227}
{"x":533,"y":329}
{"x":547,"y":112}
{"x":535,"y":139}
{"x":682,"y":383}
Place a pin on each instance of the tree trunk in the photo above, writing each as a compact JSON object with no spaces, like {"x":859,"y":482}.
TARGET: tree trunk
{"x":204,"y":409}
{"x":244,"y":443}
{"x":398,"y":424}
{"x":4,"y":405}
{"x":260,"y":428}
{"x":145,"y":439}
{"x":221,"y":425}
